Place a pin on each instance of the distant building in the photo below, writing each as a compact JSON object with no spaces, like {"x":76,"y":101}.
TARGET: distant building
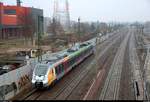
{"x":18,"y":21}
{"x":34,"y":14}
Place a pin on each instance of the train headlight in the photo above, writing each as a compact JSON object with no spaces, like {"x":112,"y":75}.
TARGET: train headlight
{"x":45,"y":81}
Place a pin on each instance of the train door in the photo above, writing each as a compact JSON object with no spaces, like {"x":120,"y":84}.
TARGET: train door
{"x":60,"y":71}
{"x":51,"y":76}
{"x":66,"y":66}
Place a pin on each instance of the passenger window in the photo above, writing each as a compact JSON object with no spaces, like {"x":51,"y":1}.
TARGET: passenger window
{"x":57,"y":70}
{"x":62,"y":68}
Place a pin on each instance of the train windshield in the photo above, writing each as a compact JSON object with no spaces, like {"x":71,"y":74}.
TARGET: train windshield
{"x":41,"y":70}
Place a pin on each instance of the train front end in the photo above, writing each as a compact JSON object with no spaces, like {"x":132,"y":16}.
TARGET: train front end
{"x":40,"y":78}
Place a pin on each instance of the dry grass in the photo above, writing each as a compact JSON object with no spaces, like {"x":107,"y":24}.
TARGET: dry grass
{"x":10,"y":47}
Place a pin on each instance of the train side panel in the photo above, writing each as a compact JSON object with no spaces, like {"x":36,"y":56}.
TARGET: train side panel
{"x":71,"y":61}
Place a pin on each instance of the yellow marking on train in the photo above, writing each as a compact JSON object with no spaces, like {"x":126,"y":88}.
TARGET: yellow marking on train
{"x":51,"y":77}
{"x":66,"y":58}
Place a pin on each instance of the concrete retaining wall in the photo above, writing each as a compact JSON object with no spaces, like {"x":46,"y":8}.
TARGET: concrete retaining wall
{"x":11,"y":83}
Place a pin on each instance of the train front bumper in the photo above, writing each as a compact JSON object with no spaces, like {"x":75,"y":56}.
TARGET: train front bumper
{"x":39,"y":84}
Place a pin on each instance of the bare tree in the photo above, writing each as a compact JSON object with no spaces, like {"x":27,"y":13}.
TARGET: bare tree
{"x":103,"y":28}
{"x":28,"y":25}
{"x":55,"y":28}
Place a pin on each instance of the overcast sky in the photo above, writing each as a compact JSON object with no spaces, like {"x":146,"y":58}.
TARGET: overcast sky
{"x":93,"y":10}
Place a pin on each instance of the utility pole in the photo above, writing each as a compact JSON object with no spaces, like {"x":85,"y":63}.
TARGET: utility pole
{"x":62,"y":15}
{"x":54,"y":26}
{"x":40,"y":31}
{"x":18,"y":3}
{"x":142,"y":30}
{"x":79,"y":29}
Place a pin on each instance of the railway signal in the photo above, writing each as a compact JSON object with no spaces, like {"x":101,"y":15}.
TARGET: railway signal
{"x":79,"y":29}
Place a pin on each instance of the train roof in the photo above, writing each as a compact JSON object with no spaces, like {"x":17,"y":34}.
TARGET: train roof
{"x":58,"y":57}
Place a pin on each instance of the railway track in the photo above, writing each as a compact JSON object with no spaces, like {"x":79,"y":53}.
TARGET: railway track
{"x":98,"y":82}
{"x":112,"y":84}
{"x":66,"y":82}
{"x":105,"y":61}
{"x":69,"y":86}
{"x":126,"y":91}
{"x":65,"y":89}
{"x":66,"y":93}
{"x":136,"y":70}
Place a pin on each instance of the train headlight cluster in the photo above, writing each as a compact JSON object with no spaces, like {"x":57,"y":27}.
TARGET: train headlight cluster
{"x":45,"y":81}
